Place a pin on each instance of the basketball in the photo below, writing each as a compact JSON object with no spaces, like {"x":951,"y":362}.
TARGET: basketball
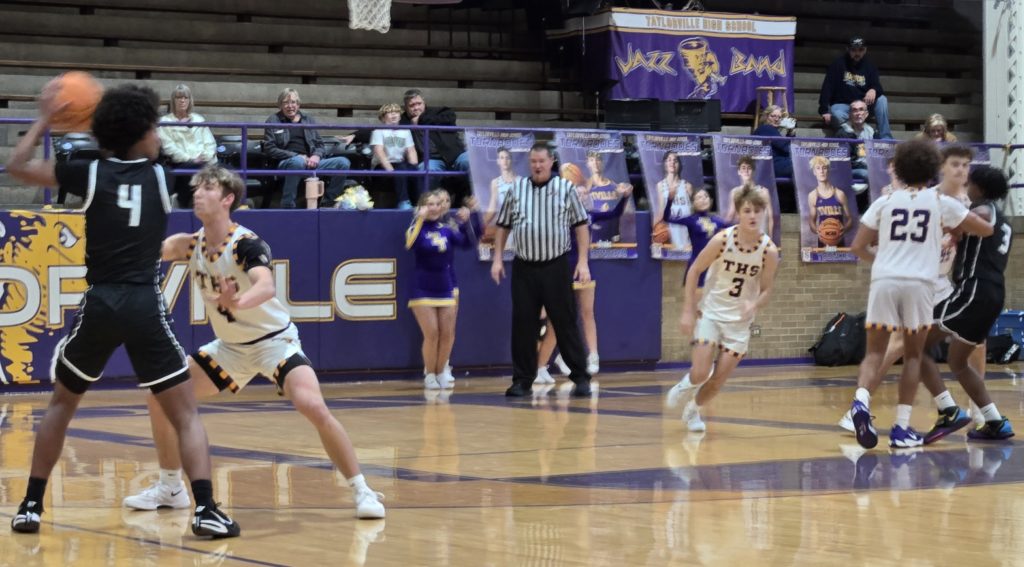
{"x":81,"y":92}
{"x":660,"y":234}
{"x":571,"y":173}
{"x":830,"y":231}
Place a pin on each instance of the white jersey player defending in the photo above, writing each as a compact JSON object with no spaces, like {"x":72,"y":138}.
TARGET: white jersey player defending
{"x":907,"y":225}
{"x":741,"y":262}
{"x":255,"y":335}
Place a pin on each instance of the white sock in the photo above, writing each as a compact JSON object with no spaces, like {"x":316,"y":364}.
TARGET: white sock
{"x":944,"y":400}
{"x":170,"y":478}
{"x":991,"y":413}
{"x":691,"y":406}
{"x":976,"y":414}
{"x":903,"y":415}
{"x":685,"y":382}
{"x":358,"y":483}
{"x":863,"y":396}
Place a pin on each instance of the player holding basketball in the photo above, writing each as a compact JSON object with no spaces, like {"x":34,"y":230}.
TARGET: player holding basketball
{"x":907,"y":225}
{"x":969,"y":312}
{"x":254,"y":335}
{"x":741,"y":263}
{"x":826,"y":201}
{"x":126,"y":207}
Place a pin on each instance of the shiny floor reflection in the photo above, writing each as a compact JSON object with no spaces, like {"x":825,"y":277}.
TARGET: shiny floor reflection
{"x":474,"y":478}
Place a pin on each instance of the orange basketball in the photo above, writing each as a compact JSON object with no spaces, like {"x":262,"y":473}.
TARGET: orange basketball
{"x":830,"y":231}
{"x":82,"y":92}
{"x":660,"y":234}
{"x":571,"y":173}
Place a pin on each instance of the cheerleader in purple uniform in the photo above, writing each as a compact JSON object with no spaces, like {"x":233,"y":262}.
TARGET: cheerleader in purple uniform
{"x":434,"y":292}
{"x":701,"y":226}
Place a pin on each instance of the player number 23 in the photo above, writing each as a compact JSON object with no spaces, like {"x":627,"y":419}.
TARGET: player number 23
{"x":909,"y":223}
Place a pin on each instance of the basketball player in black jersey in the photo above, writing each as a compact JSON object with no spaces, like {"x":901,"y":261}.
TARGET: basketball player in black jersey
{"x":126,"y":205}
{"x":969,"y":312}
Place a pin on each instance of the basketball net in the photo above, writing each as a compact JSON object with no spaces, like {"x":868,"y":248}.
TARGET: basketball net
{"x":372,"y":15}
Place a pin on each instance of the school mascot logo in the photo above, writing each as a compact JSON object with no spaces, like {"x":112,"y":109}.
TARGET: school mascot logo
{"x":701,"y":64}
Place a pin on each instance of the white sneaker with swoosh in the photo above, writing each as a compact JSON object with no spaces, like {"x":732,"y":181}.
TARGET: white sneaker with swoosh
{"x":159,"y":496}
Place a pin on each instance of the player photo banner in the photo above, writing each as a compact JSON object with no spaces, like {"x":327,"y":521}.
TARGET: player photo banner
{"x":746,"y":160}
{"x":981,"y":157}
{"x":880,"y":177}
{"x":497,"y":159}
{"x":672,"y":172}
{"x":828,"y":204}
{"x":595,"y":162}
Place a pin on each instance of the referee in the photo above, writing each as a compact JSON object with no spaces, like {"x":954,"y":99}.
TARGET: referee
{"x":539,"y":212}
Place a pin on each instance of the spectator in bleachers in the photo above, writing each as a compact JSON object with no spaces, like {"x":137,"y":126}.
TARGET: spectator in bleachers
{"x":771,"y":119}
{"x":447,"y":152}
{"x":299,"y":148}
{"x":858,"y":128}
{"x":937,"y":130}
{"x":394,"y":150}
{"x":186,"y":147}
{"x":853,"y":77}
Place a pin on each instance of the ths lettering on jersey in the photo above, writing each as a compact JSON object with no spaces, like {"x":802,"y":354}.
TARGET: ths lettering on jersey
{"x":741,"y":268}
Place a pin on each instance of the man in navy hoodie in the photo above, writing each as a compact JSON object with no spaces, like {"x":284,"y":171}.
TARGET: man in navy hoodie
{"x":849,"y":78}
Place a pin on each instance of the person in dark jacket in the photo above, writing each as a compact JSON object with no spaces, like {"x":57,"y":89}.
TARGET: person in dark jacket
{"x":299,"y":148}
{"x":447,"y":152}
{"x":849,"y":78}
{"x":771,"y":125}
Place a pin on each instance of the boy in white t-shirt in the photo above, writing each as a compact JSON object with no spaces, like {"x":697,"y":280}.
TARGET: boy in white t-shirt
{"x":394,"y":150}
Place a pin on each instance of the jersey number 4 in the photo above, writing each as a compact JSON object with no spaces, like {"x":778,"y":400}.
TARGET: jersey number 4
{"x":130,"y":197}
{"x":909,"y":223}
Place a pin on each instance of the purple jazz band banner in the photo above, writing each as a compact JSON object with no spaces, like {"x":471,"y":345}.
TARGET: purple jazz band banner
{"x":732,"y":172}
{"x":672,"y":172}
{"x":880,"y":174}
{"x":346,"y":292}
{"x":497,"y":159}
{"x":595,"y":163}
{"x":828,"y":204}
{"x":668,"y":55}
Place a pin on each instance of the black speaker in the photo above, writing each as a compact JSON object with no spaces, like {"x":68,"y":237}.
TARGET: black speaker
{"x":664,"y":115}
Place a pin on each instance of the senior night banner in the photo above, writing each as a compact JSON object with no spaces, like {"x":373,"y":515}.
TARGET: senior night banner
{"x":828,"y":204}
{"x":733,"y":157}
{"x":668,"y":55}
{"x":497,"y":159}
{"x":672,"y":172}
{"x":880,"y":175}
{"x":595,"y":162}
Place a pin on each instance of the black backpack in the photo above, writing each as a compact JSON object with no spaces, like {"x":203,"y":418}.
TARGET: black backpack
{"x":1001,"y":349}
{"x":842,"y":341}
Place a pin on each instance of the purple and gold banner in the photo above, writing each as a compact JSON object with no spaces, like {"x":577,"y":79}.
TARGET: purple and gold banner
{"x":672,"y":171}
{"x":497,"y":159}
{"x":346,"y":292}
{"x":828,"y":205}
{"x":880,"y":175}
{"x":669,"y":55}
{"x":595,"y":163}
{"x":731,"y":175}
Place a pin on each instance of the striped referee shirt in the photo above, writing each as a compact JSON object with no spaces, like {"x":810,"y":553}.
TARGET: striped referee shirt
{"x":540,"y":218}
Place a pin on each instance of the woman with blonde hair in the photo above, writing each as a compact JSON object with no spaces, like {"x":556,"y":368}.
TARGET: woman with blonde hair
{"x":771,"y":125}
{"x":937,"y":130}
{"x":186,"y":147}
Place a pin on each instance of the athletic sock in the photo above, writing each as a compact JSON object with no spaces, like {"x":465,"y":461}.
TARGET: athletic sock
{"x":991,"y":413}
{"x":863,"y":396}
{"x":203,"y":492}
{"x":36,"y":489}
{"x":944,"y":401}
{"x":903,"y":415}
{"x":171,"y":478}
{"x":358,"y":483}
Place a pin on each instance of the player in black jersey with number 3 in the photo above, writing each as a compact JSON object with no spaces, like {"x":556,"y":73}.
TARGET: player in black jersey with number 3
{"x":126,"y":205}
{"x":969,"y":312}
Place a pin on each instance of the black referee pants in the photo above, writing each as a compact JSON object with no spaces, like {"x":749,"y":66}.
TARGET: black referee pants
{"x":548,"y":285}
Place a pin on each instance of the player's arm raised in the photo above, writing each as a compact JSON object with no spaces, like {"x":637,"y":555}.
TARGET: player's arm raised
{"x":698,"y":266}
{"x":21,"y":165}
{"x":177,"y":247}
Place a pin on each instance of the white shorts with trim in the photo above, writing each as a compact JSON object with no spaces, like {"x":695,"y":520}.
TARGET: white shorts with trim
{"x":242,"y":363}
{"x":731,"y":336}
{"x":900,"y":304}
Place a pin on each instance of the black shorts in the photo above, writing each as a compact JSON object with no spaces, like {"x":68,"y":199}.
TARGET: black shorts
{"x":971,"y":310}
{"x":114,"y":314}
